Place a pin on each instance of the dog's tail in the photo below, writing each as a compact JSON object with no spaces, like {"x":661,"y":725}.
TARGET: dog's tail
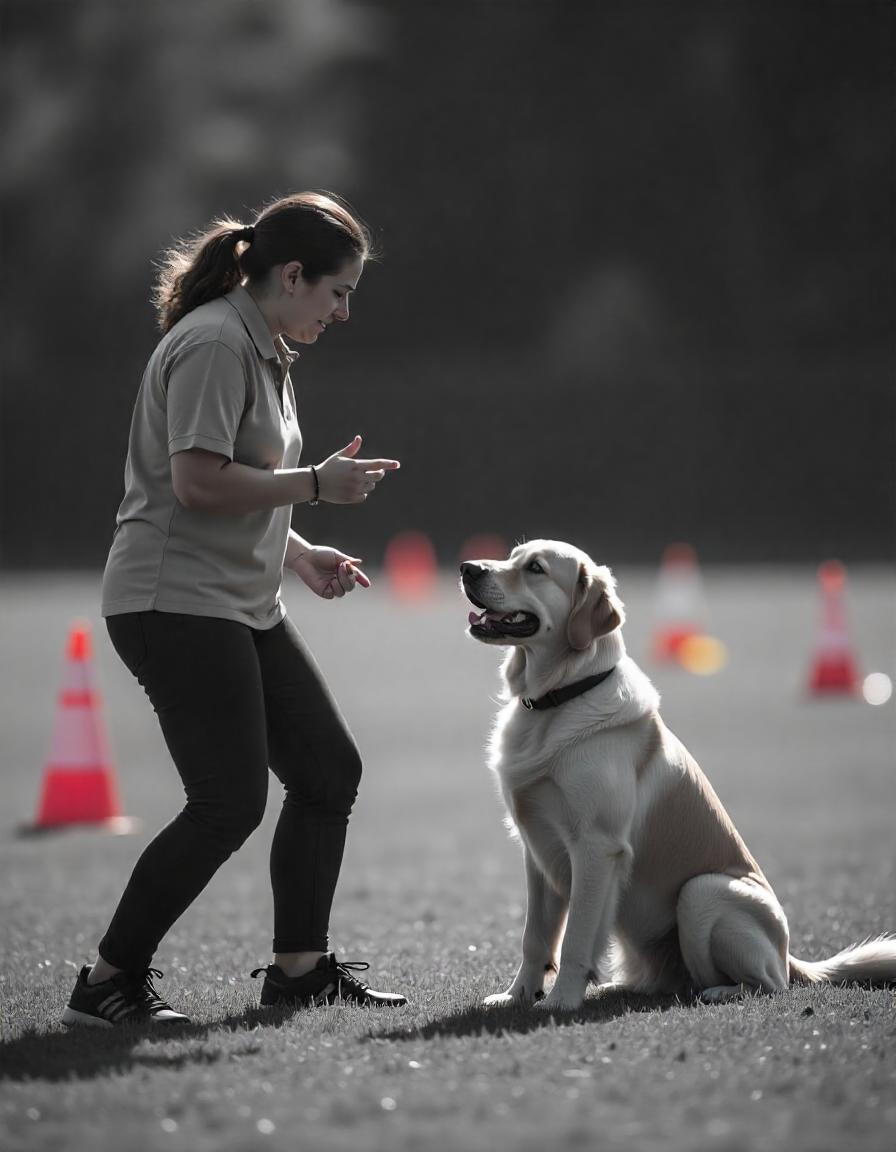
{"x":873,"y":960}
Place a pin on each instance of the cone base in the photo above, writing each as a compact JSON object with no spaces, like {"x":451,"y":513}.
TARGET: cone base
{"x":78,"y":796}
{"x":114,"y":825}
{"x":834,"y":678}
{"x":838,"y":688}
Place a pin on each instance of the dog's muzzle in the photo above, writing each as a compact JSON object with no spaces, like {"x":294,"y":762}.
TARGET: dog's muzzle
{"x":493,"y":623}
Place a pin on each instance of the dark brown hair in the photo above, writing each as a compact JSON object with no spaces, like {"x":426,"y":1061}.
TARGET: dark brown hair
{"x":317,"y":228}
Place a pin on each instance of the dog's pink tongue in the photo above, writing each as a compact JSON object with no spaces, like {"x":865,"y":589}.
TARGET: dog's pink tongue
{"x":474,"y":617}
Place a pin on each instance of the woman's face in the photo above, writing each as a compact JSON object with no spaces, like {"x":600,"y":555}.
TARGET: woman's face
{"x":307,"y":310}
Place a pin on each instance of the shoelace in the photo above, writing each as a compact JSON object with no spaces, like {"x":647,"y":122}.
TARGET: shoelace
{"x":145,"y":992}
{"x":345,"y":969}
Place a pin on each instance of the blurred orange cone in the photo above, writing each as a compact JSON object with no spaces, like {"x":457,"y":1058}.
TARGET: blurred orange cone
{"x":679,"y":611}
{"x":79,"y":785}
{"x":833,"y":670}
{"x":484,"y":546}
{"x":411,"y":566}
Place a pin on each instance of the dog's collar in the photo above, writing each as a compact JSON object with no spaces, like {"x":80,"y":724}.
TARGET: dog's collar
{"x":561,"y":695}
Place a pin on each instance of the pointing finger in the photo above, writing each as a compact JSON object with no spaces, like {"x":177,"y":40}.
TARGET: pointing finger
{"x":361,"y":577}
{"x":378,"y":465}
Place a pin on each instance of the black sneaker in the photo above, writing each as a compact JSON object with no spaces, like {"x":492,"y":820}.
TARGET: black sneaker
{"x":127,"y":997}
{"x":327,"y":983}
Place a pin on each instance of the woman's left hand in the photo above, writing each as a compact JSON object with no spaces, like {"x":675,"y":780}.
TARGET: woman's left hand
{"x":328,"y":572}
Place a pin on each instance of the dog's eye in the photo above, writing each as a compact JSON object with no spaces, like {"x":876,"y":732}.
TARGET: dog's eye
{"x":534,"y":566}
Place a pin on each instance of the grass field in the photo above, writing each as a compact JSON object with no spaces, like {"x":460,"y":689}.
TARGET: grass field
{"x":432,"y":894}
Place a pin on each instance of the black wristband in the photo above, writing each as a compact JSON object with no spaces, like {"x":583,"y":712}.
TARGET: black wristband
{"x":316,"y":497}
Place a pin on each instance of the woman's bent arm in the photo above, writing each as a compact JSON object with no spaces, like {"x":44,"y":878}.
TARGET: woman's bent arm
{"x":296,"y":546}
{"x":209,"y":482}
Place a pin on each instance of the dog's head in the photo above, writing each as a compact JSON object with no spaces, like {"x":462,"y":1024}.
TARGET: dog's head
{"x":546,"y":594}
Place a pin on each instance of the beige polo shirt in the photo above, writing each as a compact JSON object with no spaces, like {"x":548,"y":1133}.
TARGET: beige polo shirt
{"x":218,"y":381}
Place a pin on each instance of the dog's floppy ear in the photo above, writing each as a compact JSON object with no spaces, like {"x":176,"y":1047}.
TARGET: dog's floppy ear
{"x":596,"y":609}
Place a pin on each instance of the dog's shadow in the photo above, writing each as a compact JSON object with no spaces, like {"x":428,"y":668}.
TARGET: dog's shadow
{"x":478,"y":1020}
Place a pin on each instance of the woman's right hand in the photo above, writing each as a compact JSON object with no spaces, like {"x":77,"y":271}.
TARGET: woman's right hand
{"x":344,"y":479}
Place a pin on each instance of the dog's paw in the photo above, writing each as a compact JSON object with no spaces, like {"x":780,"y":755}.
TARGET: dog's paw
{"x":499,"y":1000}
{"x":722,"y":993}
{"x":559,"y":1003}
{"x":512,"y":996}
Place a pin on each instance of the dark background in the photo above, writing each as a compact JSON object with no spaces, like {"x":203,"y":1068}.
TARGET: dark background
{"x":637,"y":267}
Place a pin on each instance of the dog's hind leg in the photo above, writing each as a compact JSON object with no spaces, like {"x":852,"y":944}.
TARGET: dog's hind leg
{"x":734,"y":937}
{"x":545,"y":917}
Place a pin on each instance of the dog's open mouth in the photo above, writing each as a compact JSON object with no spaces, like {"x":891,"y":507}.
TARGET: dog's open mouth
{"x":491,"y":623}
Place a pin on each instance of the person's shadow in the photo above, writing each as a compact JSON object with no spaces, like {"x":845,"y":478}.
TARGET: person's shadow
{"x":83,"y":1053}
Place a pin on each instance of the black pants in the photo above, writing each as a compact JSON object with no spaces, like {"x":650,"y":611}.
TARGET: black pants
{"x":231,"y":701}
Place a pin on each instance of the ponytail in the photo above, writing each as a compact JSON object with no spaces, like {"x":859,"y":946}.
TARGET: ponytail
{"x":198,"y":270}
{"x":318,"y":229}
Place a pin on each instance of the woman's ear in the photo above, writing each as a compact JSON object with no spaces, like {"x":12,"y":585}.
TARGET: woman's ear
{"x":596,"y":609}
{"x":290,"y":274}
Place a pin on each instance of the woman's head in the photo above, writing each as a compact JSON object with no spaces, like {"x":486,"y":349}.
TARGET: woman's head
{"x":316,"y":231}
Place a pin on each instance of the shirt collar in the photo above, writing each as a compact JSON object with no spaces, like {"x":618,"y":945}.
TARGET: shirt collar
{"x":269,"y":347}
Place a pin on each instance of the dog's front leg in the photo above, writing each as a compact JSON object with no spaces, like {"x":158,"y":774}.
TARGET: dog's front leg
{"x":545,"y":911}
{"x":599,"y":864}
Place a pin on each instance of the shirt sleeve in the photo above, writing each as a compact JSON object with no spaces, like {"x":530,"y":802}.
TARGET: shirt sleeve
{"x":206,"y":399}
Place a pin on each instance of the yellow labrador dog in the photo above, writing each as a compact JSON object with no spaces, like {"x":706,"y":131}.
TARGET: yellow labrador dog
{"x":631,"y":860}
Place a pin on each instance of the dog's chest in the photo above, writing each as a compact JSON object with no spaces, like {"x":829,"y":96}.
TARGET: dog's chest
{"x":524,"y":746}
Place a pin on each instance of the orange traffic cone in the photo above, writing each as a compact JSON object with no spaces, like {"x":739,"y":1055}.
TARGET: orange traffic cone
{"x":411,"y":565}
{"x":833,"y":668}
{"x":484,"y":546}
{"x":679,"y":610}
{"x":79,"y":785}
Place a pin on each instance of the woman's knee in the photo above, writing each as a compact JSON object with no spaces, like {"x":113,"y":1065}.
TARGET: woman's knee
{"x":331,"y":785}
{"x":230,"y":820}
{"x":339,"y":781}
{"x":350,"y":776}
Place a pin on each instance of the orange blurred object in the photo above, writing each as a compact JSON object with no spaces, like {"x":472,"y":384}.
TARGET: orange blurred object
{"x":833,"y":670}
{"x":484,"y":546}
{"x":679,"y":611}
{"x":411,"y":565}
{"x":79,"y":784}
{"x":702,"y":655}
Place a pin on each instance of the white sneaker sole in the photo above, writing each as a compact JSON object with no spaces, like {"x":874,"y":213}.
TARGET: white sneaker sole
{"x":71,"y":1017}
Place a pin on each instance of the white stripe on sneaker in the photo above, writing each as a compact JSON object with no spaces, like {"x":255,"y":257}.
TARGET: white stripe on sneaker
{"x":72,"y":1016}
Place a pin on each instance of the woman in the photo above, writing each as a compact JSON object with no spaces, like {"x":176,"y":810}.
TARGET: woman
{"x":191,"y":597}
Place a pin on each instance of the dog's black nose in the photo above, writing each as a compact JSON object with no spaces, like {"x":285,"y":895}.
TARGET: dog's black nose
{"x":471,"y":571}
